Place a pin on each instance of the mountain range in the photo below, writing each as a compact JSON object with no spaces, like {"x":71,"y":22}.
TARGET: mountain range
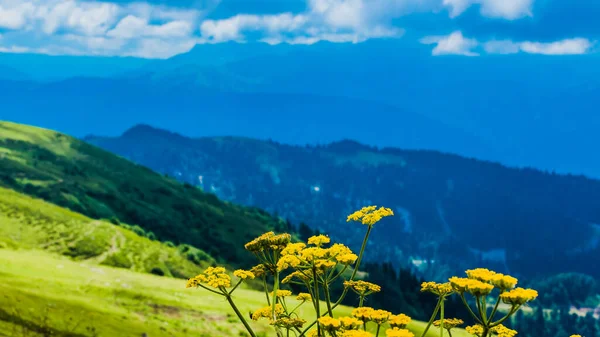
{"x":521,"y":110}
{"x":452,"y":212}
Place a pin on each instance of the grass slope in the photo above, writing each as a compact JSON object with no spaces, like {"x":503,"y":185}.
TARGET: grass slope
{"x":98,"y":184}
{"x":46,"y":292}
{"x":31,"y":223}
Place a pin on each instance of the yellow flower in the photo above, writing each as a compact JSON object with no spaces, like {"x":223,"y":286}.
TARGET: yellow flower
{"x":288,"y":261}
{"x":304,"y":297}
{"x":449,"y":323}
{"x":346,"y":259}
{"x":313,"y":253}
{"x":481,"y":274}
{"x":288,"y":323}
{"x":459,"y":284}
{"x":260,"y":243}
{"x":293,"y":248}
{"x":362,"y":287}
{"x":330,"y":323}
{"x":575,"y":336}
{"x":281,"y":293}
{"x":519,"y":296}
{"x":213,"y":277}
{"x":479,"y":288}
{"x":296,"y":274}
{"x":399,"y":321}
{"x":476,"y":330}
{"x":370,"y":215}
{"x":243,"y":274}
{"x":318,"y":240}
{"x":380,"y":316}
{"x":504,"y":282}
{"x":324,"y":264}
{"x":356,"y":333}
{"x":503,"y":331}
{"x":350,"y":323}
{"x":266,"y":312}
{"x":214,"y":270}
{"x":363,"y":313}
{"x":440,"y":289}
{"x":258,"y":270}
{"x":395,"y":332}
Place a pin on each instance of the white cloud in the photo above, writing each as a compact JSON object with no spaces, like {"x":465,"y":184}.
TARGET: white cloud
{"x":233,"y":28}
{"x":564,"y":47}
{"x":453,"y":44}
{"x":133,"y":26}
{"x":14,"y":15}
{"x":506,"y":9}
{"x":574,"y":46}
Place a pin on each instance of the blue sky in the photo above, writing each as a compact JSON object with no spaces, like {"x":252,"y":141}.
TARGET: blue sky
{"x":160,"y":29}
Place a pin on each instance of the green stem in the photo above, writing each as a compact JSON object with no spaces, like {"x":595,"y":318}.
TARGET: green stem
{"x":240,"y":316}
{"x":266,"y":289}
{"x":237,"y":285}
{"x":449,"y":333}
{"x":361,"y":301}
{"x":275,"y":288}
{"x":442,"y":299}
{"x":495,"y":308}
{"x":435,"y":311}
{"x":462,"y":297}
{"x":378,"y":327}
{"x":512,"y":311}
{"x":484,"y":309}
{"x":328,"y":300}
{"x":357,"y":266}
{"x":317,"y":304}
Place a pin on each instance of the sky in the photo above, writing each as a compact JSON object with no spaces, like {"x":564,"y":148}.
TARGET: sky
{"x":164,"y":28}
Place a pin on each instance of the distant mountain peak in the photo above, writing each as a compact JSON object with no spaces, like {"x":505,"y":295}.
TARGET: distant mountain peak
{"x":145,"y":130}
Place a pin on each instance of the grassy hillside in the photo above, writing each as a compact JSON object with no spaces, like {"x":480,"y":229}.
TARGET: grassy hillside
{"x":28,"y":223}
{"x":93,"y":182}
{"x":74,"y":299}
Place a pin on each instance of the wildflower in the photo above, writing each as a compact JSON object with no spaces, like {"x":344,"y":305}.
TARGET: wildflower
{"x":575,"y":336}
{"x":288,"y":261}
{"x":503,"y":331}
{"x":293,"y":248}
{"x":370,"y":215}
{"x":281,"y":293}
{"x":519,"y":296}
{"x":243,"y":274}
{"x":260,"y":243}
{"x":439,"y":289}
{"x":363,"y":313}
{"x":481,"y":274}
{"x":330,"y":323}
{"x":324,"y":264}
{"x":266,"y":312}
{"x":399,"y":321}
{"x":318,"y":240}
{"x":362,"y":287}
{"x":449,"y":323}
{"x":356,"y":333}
{"x":338,"y":249}
{"x":296,"y":274}
{"x":380,"y":316}
{"x":288,"y":323}
{"x":350,"y":323}
{"x":459,"y":284}
{"x":313,"y":253}
{"x":479,"y":288}
{"x":258,"y":270}
{"x":280,"y":241}
{"x":304,"y":297}
{"x":504,"y":282}
{"x":395,"y":332}
{"x":476,"y":330}
{"x":346,"y":259}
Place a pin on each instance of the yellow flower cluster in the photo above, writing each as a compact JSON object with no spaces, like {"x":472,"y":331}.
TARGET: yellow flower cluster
{"x":519,"y":296}
{"x":330,"y":323}
{"x":258,"y":270}
{"x":304,"y":297}
{"x":350,"y":323}
{"x":380,"y":316}
{"x":356,"y":333}
{"x":213,"y":277}
{"x":476,"y":330}
{"x":449,"y":323}
{"x":396,"y":332}
{"x":281,"y":293}
{"x":269,"y":241}
{"x":368,"y":314}
{"x":399,"y":321}
{"x":362,"y":287}
{"x":288,"y":323}
{"x":267,"y":311}
{"x":298,"y":255}
{"x":243,"y":274}
{"x":440,"y":289}
{"x":318,"y":240}
{"x":503,"y":331}
{"x":341,"y":324}
{"x":370,"y":215}
{"x":500,"y":281}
